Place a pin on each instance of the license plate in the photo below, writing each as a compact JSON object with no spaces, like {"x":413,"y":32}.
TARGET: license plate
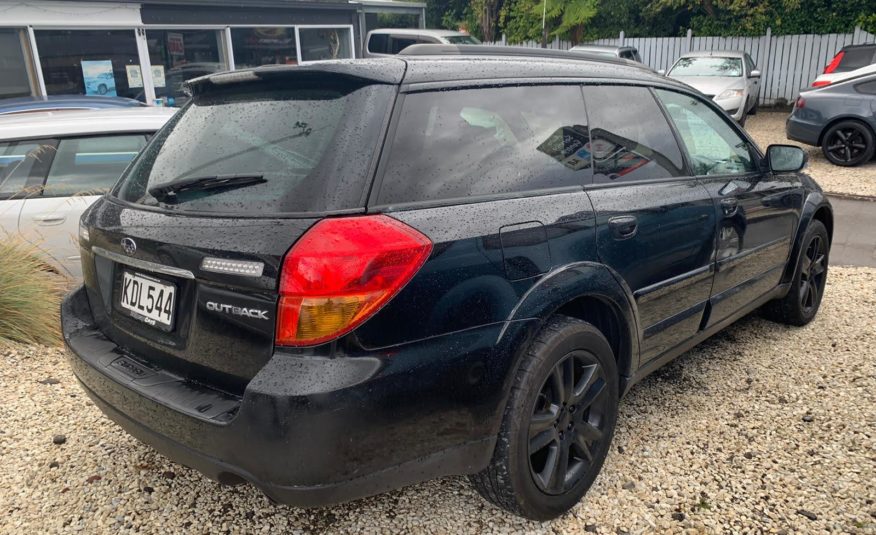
{"x":148,"y":300}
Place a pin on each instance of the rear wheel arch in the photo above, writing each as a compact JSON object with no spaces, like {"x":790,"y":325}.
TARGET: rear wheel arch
{"x":840,"y":119}
{"x":593,"y":293}
{"x":609,"y":320}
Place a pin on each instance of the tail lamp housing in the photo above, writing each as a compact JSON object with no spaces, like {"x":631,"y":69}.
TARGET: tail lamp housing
{"x":341,"y":272}
{"x":821,"y":83}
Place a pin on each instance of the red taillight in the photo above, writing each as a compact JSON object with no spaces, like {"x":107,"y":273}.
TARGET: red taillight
{"x":821,"y":83}
{"x":801,"y":102}
{"x":341,"y":272}
{"x":834,"y":63}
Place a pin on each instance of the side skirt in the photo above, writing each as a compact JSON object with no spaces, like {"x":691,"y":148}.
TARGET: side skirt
{"x":676,"y":351}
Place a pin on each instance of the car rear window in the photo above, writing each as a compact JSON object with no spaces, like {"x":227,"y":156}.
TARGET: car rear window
{"x":309,"y":143}
{"x":856,"y":57}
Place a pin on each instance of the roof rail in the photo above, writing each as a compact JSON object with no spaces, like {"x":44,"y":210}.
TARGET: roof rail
{"x":512,"y":51}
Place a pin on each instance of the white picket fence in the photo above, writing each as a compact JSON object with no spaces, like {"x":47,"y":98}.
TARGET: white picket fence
{"x":787,"y":62}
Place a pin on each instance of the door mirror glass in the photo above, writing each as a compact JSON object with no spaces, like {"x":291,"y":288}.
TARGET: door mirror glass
{"x":785,"y":158}
{"x":754,"y":74}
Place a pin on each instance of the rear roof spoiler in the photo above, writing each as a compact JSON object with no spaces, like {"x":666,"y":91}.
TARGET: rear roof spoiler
{"x":376,"y":71}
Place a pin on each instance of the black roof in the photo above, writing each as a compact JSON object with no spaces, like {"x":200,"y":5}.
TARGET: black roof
{"x":452,"y":64}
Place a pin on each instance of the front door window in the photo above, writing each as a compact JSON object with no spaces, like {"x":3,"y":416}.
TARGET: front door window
{"x":714,"y":147}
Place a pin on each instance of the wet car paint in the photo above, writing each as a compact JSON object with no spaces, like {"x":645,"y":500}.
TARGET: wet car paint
{"x":418,"y":391}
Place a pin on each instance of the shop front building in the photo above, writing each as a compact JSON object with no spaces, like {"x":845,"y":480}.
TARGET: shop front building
{"x":146,"y":51}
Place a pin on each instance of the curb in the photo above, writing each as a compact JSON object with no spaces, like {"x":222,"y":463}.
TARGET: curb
{"x":850,"y":197}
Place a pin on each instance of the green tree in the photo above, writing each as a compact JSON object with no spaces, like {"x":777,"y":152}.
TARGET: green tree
{"x":753,"y":17}
{"x":521,"y":20}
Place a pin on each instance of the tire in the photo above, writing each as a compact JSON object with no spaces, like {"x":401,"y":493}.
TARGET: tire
{"x":848,"y":143}
{"x":742,"y":119}
{"x":753,"y":110}
{"x":801,"y":304}
{"x":519,"y":478}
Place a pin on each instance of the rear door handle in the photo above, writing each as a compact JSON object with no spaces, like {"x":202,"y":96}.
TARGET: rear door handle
{"x":729,"y":206}
{"x":623,"y":226}
{"x":50,"y":219}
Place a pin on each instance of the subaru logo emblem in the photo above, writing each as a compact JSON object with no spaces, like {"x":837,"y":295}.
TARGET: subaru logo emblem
{"x":129,"y":246}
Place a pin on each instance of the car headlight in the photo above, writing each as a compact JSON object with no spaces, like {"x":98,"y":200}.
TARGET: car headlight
{"x":730,"y":93}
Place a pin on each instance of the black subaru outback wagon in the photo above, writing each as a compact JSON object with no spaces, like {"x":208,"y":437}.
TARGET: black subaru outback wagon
{"x":336,"y":279}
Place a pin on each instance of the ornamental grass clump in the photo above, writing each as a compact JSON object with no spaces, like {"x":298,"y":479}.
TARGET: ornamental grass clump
{"x":30,"y":295}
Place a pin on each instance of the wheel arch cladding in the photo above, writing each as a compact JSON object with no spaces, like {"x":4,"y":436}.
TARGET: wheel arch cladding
{"x":816,"y":208}
{"x":590,"y":292}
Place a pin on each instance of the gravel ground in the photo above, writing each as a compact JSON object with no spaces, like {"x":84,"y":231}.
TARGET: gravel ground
{"x":762,"y":429}
{"x":769,"y":128}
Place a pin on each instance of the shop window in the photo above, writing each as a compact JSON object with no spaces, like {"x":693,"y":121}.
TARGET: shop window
{"x":325,"y":43}
{"x":180,"y":55}
{"x":90,"y":62}
{"x":14,"y":81}
{"x":263,"y":46}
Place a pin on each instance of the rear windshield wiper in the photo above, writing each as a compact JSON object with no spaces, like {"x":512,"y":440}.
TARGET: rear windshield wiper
{"x":168,"y":191}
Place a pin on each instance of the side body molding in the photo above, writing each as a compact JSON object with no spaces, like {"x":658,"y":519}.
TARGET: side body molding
{"x":584,"y":279}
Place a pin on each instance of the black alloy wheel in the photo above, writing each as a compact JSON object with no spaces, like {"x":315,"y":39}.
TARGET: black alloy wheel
{"x":558,"y":423}
{"x":567,"y":423}
{"x":813,"y":274}
{"x":848,"y":143}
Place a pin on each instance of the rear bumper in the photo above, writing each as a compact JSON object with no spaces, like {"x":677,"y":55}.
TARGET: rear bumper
{"x":307,"y":431}
{"x":802,"y":131}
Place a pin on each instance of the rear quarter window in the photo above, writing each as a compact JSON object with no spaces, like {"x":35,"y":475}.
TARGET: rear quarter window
{"x":857,"y":57}
{"x":310,"y":142}
{"x":477,"y":142}
{"x":90,"y":165}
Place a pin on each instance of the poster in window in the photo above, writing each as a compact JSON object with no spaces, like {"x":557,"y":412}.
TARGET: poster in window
{"x":135,"y":77}
{"x":158,"y":76}
{"x":175,"y":44}
{"x":98,"y":78}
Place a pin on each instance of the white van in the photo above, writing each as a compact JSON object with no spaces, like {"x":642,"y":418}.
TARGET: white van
{"x":391,"y":41}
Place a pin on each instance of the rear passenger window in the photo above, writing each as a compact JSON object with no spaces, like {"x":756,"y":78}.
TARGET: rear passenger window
{"x":867,"y":88}
{"x":17,"y":160}
{"x":397,"y":43}
{"x":856,"y":57}
{"x":377,"y":44}
{"x":457,"y":144}
{"x":713,"y":146}
{"x":630,"y":138}
{"x":90,"y":165}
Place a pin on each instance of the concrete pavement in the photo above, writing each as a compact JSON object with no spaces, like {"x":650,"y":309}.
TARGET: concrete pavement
{"x":854,"y":233}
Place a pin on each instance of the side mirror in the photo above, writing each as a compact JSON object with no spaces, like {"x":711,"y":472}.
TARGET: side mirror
{"x":662,"y":72}
{"x":754,"y":74}
{"x":786,"y":158}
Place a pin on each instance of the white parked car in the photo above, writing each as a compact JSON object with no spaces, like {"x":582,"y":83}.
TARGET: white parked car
{"x":53,"y":165}
{"x":729,"y":78}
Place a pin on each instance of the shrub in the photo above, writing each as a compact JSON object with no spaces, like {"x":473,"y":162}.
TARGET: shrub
{"x":30,"y":295}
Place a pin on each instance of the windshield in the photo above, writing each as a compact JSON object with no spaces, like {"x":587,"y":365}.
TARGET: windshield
{"x":310,"y":146}
{"x":462,"y":40}
{"x":708,"y":66}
